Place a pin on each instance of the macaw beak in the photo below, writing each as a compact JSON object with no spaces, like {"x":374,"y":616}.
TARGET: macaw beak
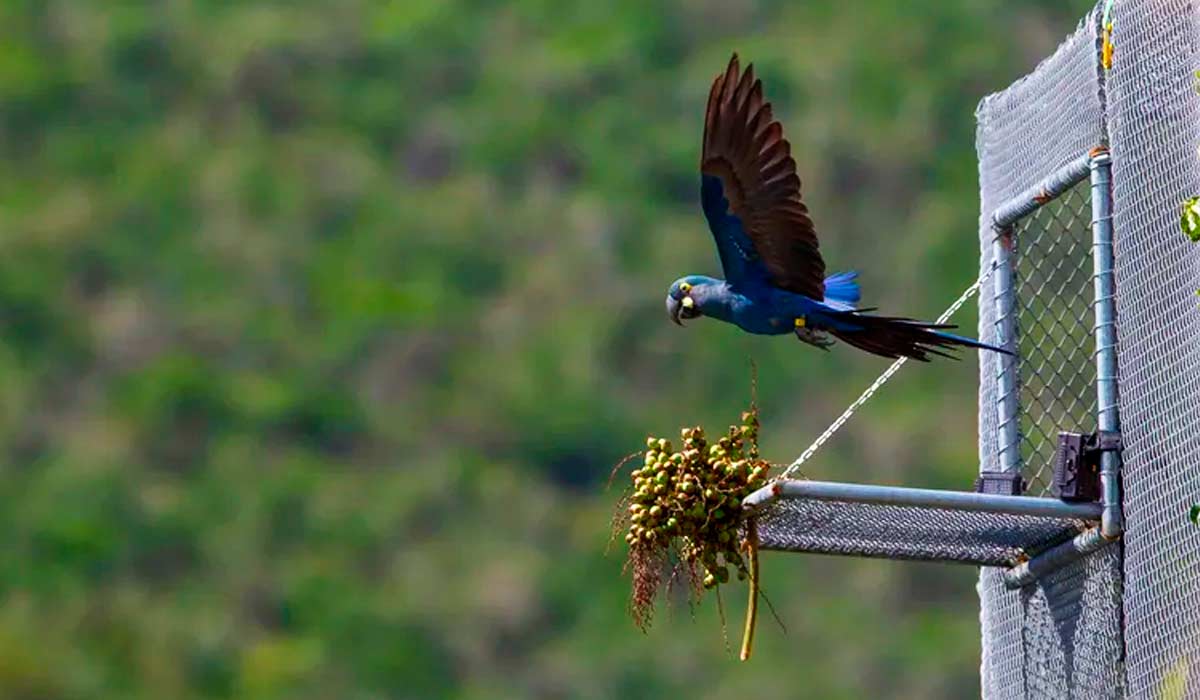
{"x":673,"y":308}
{"x":680,"y":309}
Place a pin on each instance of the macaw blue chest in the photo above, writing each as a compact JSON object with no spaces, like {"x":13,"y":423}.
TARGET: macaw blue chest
{"x":765,"y":324}
{"x":766,"y":314}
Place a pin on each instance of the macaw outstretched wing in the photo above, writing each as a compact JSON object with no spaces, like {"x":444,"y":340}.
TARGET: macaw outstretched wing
{"x":751,"y":193}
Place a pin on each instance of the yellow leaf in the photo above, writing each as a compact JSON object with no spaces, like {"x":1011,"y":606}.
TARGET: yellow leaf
{"x":1106,"y":49}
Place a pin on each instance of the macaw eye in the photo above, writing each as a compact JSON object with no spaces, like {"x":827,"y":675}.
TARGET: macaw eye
{"x":685,"y":287}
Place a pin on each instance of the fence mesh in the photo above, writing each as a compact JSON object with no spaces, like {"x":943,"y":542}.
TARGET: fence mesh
{"x":1124,"y":621}
{"x":1061,"y":637}
{"x":1055,"y":370}
{"x":1154,"y":122}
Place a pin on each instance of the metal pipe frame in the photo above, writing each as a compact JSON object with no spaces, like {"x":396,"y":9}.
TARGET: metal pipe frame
{"x":1054,"y":558}
{"x":1029,"y":201}
{"x":1107,"y":396}
{"x":1108,"y":419}
{"x":923,"y":498}
{"x":1008,"y":449}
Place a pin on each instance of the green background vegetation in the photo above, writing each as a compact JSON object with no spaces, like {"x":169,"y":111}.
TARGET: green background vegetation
{"x":321,"y":325}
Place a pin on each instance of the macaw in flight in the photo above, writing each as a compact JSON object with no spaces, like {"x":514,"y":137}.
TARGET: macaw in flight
{"x":775,"y":279}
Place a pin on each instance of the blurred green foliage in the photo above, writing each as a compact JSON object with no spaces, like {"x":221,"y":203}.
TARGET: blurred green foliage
{"x":1189,"y":219}
{"x":322,"y":323}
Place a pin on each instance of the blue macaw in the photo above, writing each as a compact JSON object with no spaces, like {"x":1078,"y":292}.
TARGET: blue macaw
{"x":775,"y":279}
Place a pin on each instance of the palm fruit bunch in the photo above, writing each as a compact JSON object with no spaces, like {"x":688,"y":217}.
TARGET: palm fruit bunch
{"x":685,"y":510}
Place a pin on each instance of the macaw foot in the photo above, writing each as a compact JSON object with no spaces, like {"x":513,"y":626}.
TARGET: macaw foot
{"x":812,"y":336}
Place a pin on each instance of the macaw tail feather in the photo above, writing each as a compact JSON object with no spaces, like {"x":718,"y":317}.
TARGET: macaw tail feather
{"x":841,"y":291}
{"x":890,"y":336}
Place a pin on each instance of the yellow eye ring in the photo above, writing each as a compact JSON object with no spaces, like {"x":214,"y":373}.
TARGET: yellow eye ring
{"x":685,"y":287}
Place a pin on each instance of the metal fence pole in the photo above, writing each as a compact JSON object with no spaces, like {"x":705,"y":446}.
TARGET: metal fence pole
{"x":1008,"y":429}
{"x":1106,"y":338}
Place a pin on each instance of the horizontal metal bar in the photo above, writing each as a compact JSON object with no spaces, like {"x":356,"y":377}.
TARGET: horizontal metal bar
{"x":1024,"y":204}
{"x":923,"y":498}
{"x":1055,"y":558}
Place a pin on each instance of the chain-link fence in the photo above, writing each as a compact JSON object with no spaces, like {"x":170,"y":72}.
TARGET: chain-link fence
{"x":1122,"y":622}
{"x":1154,"y":121}
{"x":1062,"y":636}
{"x":1054,"y":300}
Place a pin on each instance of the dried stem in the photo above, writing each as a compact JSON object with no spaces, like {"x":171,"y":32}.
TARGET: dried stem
{"x":751,"y":546}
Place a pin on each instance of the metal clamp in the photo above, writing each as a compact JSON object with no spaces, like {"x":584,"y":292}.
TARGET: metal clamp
{"x":1077,"y":464}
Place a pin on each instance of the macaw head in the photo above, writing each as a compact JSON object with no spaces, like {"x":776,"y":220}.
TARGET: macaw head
{"x":687,"y":295}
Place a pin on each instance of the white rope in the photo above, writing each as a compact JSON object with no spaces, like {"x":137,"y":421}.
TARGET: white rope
{"x":883,"y":379}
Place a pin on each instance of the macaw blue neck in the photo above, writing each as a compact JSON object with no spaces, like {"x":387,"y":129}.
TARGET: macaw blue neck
{"x":716,"y":299}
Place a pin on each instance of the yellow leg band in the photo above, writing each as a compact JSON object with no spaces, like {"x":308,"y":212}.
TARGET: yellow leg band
{"x":800,"y":322}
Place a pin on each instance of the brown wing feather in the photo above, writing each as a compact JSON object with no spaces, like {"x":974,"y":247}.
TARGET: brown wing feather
{"x":745,"y":147}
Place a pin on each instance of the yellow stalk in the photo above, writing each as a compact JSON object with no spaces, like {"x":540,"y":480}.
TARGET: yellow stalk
{"x":751,"y":547}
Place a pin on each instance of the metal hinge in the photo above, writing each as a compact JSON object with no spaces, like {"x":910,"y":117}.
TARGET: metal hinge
{"x":1077,"y":463}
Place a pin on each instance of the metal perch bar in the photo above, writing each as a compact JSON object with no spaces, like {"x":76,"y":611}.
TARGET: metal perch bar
{"x":924,"y":498}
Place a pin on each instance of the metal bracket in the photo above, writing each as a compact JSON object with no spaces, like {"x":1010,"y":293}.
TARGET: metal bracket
{"x":1077,"y":464}
{"x":1000,"y":483}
